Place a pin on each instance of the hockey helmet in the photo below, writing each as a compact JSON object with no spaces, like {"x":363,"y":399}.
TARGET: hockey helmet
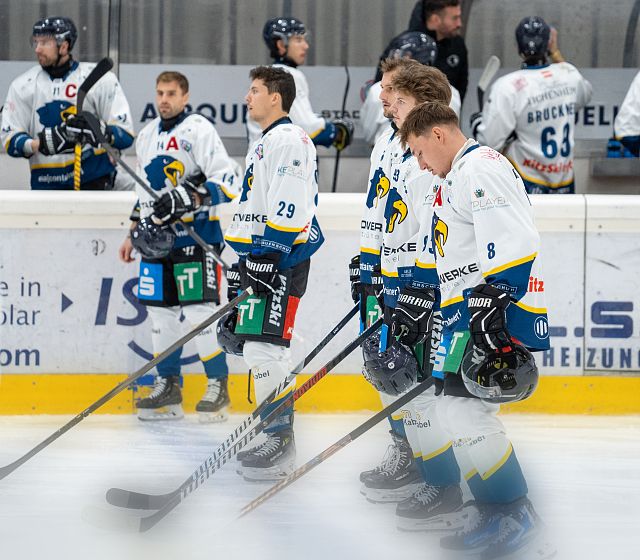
{"x":499,"y":377}
{"x":416,"y":45}
{"x":281,"y":28}
{"x":228,"y":340}
{"x":393,"y":371}
{"x":532,"y":36}
{"x":62,"y":28}
{"x":152,"y":241}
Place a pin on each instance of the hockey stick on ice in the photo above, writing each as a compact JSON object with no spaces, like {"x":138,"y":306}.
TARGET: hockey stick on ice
{"x":489,"y":72}
{"x":334,"y":185}
{"x":346,"y":440}
{"x":136,"y":500}
{"x":8,"y":469}
{"x":213,"y":463}
{"x":98,"y":71}
{"x":94,"y":125}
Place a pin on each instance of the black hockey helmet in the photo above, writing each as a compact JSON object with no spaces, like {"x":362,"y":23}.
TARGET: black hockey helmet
{"x":228,"y":340}
{"x":62,"y":28}
{"x":281,"y":28}
{"x":152,"y":241}
{"x":393,"y":371}
{"x":416,"y":45}
{"x":532,"y":36}
{"x":500,"y":377}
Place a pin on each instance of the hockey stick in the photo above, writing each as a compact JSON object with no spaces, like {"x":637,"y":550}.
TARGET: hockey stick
{"x":213,"y":463}
{"x":94,"y":125}
{"x":334,"y":185}
{"x":98,"y":71}
{"x":346,"y":440}
{"x":8,"y":469}
{"x":489,"y":72}
{"x":135,"y":500}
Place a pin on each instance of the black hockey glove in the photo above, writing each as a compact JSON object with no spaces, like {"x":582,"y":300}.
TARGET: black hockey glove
{"x":378,"y":286}
{"x":474,"y":122}
{"x":261,"y":273}
{"x":172,"y":205}
{"x":354,"y":278}
{"x":233,"y":281}
{"x":344,"y":133}
{"x":55,"y":140}
{"x":80,"y":132}
{"x":411,"y":318}
{"x":488,"y":323}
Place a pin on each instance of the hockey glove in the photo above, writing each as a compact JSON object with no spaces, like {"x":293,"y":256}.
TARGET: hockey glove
{"x":196,"y":184}
{"x":344,"y":133}
{"x":261,"y":274}
{"x":378,"y":286}
{"x":354,"y":278}
{"x":55,"y":140}
{"x":233,"y":281}
{"x":488,"y":323}
{"x":80,"y":132}
{"x":474,"y":122}
{"x":172,"y":205}
{"x":411,"y":318}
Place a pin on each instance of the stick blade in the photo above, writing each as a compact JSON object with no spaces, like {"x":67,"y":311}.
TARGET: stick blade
{"x":137,"y":500}
{"x":490,"y":70}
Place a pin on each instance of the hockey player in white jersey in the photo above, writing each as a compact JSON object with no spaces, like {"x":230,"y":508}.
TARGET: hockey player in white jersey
{"x":410,"y":44}
{"x":627,"y":123}
{"x":286,"y":39}
{"x":39,"y":121}
{"x":397,"y":468}
{"x":274,"y":232}
{"x":405,"y":334}
{"x":487,"y":257}
{"x":183,"y":159}
{"x":529,"y":114}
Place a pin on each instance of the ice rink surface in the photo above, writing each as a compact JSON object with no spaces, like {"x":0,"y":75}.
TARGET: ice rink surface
{"x":583,"y":473}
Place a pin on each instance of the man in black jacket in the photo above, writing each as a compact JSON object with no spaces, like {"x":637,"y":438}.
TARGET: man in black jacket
{"x":443,"y":21}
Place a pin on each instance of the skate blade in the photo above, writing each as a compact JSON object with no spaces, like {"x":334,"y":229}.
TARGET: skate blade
{"x":271,"y":474}
{"x":535,"y":549}
{"x":170,"y":412}
{"x":385,"y":496}
{"x":213,"y":417}
{"x":445,"y":523}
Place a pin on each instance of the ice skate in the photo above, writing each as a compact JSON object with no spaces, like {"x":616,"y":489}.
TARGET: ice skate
{"x":431,"y":508}
{"x":213,"y":407}
{"x":272,"y":460}
{"x":396,"y":478}
{"x":164,"y":402}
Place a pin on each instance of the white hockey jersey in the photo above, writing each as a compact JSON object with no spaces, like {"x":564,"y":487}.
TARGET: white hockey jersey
{"x":627,"y":123}
{"x":36,"y":101}
{"x":372,"y":118}
{"x":371,"y":225}
{"x":538,"y":104}
{"x":300,"y":113}
{"x":483,"y":231}
{"x":191,"y":147}
{"x":279,"y":197}
{"x":410,"y":189}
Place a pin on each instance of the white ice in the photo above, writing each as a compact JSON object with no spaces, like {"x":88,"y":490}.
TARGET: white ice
{"x":583,"y":473}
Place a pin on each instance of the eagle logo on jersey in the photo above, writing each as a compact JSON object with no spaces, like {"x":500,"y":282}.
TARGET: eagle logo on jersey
{"x":164,"y":171}
{"x":395,"y":211}
{"x":55,"y":113}
{"x":439,"y":234}
{"x":378,"y":188}
{"x":247,"y":183}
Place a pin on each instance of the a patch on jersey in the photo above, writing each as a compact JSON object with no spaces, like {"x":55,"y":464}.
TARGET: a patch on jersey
{"x":55,"y":112}
{"x":439,"y":235}
{"x":314,"y":234}
{"x":247,"y":183}
{"x":437,"y":201}
{"x":185,"y":145}
{"x":150,"y":282}
{"x":260,"y":151}
{"x":395,"y":211}
{"x":164,"y":171}
{"x":378,"y":188}
{"x":479,"y":193}
{"x":541,"y":327}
